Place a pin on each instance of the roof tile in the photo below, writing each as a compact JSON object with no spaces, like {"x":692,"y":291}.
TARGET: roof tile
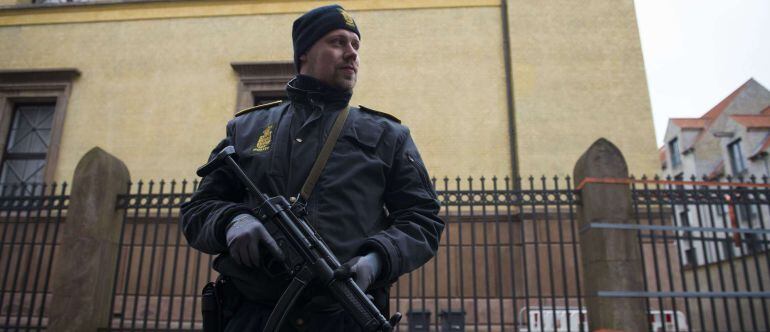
{"x":690,"y":123}
{"x":752,"y":121}
{"x":762,"y":149}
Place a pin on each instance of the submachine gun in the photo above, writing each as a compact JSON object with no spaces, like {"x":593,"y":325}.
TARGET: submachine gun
{"x":308,"y":259}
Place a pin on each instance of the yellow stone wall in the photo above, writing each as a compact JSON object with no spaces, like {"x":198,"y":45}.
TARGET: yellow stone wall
{"x":11,"y":2}
{"x":157,"y":87}
{"x":578,"y":75}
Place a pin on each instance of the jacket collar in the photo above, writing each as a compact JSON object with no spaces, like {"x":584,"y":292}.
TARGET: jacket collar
{"x":303,"y":89}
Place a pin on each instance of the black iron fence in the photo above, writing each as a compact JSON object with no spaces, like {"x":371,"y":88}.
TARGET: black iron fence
{"x":706,"y":257}
{"x":159,"y":277}
{"x":504,"y":253}
{"x":30,"y":216}
{"x":509,"y":259}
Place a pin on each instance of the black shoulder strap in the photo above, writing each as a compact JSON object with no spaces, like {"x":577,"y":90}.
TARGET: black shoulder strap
{"x":326,"y":151}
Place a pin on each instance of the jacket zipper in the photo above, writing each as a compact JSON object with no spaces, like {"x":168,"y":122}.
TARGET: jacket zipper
{"x":423,"y":175}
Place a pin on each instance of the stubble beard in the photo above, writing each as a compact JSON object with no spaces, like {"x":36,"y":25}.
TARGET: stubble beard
{"x":345,"y":82}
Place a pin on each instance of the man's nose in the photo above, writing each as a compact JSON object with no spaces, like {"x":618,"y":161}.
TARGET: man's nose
{"x":351,"y":53}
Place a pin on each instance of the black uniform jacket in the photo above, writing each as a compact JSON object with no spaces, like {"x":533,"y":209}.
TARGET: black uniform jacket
{"x":373,"y":195}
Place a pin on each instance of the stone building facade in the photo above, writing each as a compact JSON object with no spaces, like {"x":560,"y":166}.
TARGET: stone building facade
{"x":488,"y":87}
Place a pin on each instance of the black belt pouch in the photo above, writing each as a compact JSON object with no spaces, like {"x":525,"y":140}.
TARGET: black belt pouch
{"x":220,"y":300}
{"x":211,"y":307}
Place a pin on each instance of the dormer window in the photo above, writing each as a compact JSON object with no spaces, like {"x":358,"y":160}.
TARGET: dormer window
{"x":736,"y":157}
{"x":673,"y":147}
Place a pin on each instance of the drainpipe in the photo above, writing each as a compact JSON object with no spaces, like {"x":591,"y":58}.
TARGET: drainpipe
{"x":509,"y":92}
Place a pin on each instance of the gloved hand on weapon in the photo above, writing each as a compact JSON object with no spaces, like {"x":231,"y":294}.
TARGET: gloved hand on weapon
{"x":363,"y":269}
{"x":246,"y":235}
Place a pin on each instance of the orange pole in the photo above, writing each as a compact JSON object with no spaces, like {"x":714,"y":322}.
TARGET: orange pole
{"x":733,"y":219}
{"x":681,"y":183}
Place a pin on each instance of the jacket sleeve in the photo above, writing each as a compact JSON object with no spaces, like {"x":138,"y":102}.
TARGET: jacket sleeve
{"x":218,"y":199}
{"x":413,"y":236}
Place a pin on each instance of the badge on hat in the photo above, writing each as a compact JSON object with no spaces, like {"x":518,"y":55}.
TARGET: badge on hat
{"x":348,"y":19}
{"x":263,"y":143}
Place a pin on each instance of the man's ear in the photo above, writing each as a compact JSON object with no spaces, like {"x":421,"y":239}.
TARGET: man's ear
{"x":302,"y":61}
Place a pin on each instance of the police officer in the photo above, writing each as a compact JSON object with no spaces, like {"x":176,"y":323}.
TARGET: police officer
{"x":373,"y":203}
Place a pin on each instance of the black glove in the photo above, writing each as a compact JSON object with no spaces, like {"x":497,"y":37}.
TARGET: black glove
{"x":245,"y":236}
{"x":363,"y":269}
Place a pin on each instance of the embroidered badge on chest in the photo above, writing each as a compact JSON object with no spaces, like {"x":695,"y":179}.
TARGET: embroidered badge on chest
{"x":264,"y":140}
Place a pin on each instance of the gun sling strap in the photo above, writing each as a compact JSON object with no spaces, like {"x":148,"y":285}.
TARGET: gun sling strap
{"x":323,"y":156}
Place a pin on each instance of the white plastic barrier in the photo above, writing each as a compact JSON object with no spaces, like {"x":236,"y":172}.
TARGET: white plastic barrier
{"x":574,"y":318}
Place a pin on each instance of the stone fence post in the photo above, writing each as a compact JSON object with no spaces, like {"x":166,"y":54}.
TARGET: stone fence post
{"x":82,"y":278}
{"x":611,"y":258}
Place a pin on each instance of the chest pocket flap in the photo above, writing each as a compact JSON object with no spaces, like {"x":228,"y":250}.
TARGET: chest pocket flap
{"x":366,"y":134}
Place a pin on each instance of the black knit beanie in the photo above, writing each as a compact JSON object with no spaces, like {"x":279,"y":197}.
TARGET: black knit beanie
{"x":316,"y":23}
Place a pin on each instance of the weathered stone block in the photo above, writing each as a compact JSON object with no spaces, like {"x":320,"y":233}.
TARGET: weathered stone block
{"x":611,"y":259}
{"x":83,"y":274}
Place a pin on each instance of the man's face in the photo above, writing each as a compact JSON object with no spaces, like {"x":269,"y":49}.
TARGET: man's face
{"x":333,"y":59}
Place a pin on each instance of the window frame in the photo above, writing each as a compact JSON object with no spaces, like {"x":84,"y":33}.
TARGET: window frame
{"x":261,"y":79}
{"x":732,"y":147}
{"x":36,"y":86}
{"x":673,"y":147}
{"x":8,"y":156}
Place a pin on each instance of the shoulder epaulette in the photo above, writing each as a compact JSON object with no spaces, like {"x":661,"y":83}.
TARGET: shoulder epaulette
{"x":258,"y":107}
{"x":382,"y":114}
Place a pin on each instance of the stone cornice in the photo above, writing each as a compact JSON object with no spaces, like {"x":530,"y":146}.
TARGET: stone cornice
{"x":129,"y":10}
